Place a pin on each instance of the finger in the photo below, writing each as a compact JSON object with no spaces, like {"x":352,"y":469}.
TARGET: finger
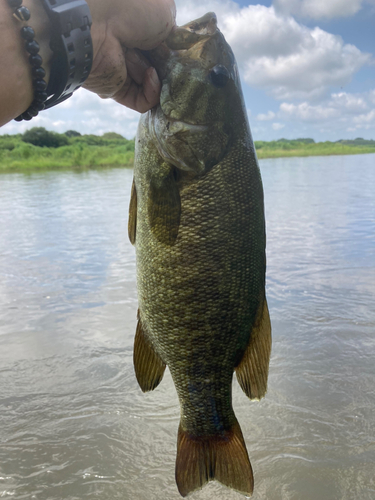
{"x":136,"y":65}
{"x":142,"y":24}
{"x":151,"y":87}
{"x":141,"y":97}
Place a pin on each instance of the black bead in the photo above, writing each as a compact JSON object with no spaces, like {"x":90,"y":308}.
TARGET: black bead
{"x":32,"y":110}
{"x":38,"y":72}
{"x":32,"y":47}
{"x":40,"y":85}
{"x":26,"y":116}
{"x":15,"y":3}
{"x":38,"y":105}
{"x":35,"y":60}
{"x":23,"y":13}
{"x":27,"y":33}
{"x":40,"y":96}
{"x":19,"y":118}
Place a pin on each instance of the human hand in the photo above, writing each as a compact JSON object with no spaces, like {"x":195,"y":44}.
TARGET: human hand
{"x":119,"y":28}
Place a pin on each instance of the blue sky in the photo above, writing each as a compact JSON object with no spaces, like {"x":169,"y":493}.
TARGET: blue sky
{"x":307,"y":70}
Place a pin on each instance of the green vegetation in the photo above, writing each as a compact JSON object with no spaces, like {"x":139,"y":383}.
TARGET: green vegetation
{"x":308,"y":147}
{"x":41,"y":137}
{"x":38,"y":148}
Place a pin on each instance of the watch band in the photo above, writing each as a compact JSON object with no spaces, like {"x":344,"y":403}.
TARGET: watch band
{"x":71,"y":45}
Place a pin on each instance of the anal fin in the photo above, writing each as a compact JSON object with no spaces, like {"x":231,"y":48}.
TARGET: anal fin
{"x":149,"y":367}
{"x":204,"y":458}
{"x":252,"y":371}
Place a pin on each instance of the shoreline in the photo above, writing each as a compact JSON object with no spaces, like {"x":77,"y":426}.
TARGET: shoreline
{"x":41,"y":150}
{"x":303,"y":154}
{"x":262,"y":155}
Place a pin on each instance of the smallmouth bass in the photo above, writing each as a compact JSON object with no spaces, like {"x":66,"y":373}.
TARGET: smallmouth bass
{"x":196,"y":218}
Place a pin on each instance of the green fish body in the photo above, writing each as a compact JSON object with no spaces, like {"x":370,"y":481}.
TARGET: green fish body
{"x":196,"y":219}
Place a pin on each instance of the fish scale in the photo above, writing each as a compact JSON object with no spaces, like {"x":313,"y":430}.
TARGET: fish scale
{"x":197,"y":221}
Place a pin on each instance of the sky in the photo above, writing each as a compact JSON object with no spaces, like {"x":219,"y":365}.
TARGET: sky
{"x":307,"y":69}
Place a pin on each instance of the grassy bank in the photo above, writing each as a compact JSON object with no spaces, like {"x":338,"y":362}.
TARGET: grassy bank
{"x":49,"y":150}
{"x":109,"y":150}
{"x":307,"y":147}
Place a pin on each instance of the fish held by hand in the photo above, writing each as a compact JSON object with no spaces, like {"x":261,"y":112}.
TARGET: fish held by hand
{"x":196,"y":218}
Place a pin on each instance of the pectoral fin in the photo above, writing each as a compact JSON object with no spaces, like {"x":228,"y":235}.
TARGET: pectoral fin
{"x":164,"y":208}
{"x":149,"y":367}
{"x":252,"y":371}
{"x":132,"y":224}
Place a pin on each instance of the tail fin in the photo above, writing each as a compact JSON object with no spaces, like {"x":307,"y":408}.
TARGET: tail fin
{"x":224,"y":458}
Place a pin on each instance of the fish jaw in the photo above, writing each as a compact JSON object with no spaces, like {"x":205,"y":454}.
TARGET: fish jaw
{"x":171,"y":138}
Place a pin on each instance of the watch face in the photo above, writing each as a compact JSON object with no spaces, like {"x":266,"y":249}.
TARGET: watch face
{"x":71,"y":45}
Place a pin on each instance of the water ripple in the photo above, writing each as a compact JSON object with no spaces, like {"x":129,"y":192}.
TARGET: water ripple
{"x":73,"y":422}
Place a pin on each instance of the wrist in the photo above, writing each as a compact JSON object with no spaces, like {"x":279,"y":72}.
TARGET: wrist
{"x":41,"y":25}
{"x":69,"y":38}
{"x":16,"y":80}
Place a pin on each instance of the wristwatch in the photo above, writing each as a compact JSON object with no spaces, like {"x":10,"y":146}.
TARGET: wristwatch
{"x":71,"y":45}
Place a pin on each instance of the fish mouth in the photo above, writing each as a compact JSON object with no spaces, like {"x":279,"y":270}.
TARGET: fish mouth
{"x":169,"y":112}
{"x":184,"y":126}
{"x":171,"y":137}
{"x":172,"y":125}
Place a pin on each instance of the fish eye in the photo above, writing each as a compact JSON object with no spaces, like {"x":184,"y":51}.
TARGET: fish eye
{"x":219,"y":75}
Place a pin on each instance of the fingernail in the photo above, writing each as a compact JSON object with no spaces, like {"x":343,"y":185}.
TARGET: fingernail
{"x":154,"y":77}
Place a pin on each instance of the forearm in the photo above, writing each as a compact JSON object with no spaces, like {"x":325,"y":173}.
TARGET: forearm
{"x":118,"y":71}
{"x":15,"y":76}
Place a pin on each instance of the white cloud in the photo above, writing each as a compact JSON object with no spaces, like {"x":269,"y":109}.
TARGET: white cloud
{"x":187,"y":10}
{"x":266,"y":116}
{"x":319,"y":9}
{"x":287,"y":58}
{"x":365,"y":119}
{"x":85,"y":112}
{"x":307,"y":113}
{"x":351,"y":103}
{"x":278,"y":54}
{"x":343,"y":111}
{"x":340,"y":106}
{"x":372,"y":96}
{"x":278,"y":126}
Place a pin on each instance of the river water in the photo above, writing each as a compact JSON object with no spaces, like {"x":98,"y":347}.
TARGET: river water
{"x":73,"y":422}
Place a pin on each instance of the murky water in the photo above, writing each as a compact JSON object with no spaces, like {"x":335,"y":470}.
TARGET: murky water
{"x":73,"y":422}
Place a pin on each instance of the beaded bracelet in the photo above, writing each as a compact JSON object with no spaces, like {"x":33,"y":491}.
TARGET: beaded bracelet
{"x":71,"y":45}
{"x":22,"y":14}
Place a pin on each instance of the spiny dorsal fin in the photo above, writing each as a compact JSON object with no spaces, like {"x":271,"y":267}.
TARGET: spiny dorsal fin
{"x":149,"y":367}
{"x":252,"y":371}
{"x":164,"y":208}
{"x":132,"y":225}
{"x":204,"y":458}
